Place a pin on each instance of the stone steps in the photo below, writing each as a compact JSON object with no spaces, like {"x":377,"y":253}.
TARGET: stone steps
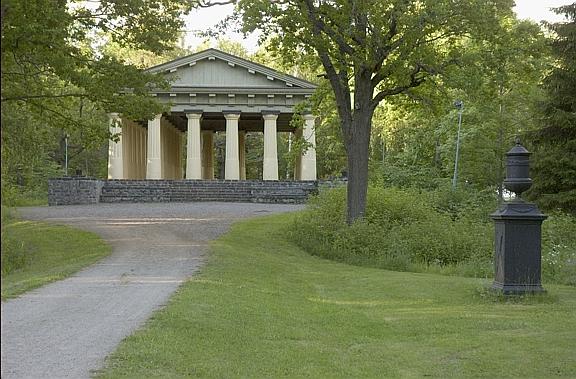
{"x":144,"y":191}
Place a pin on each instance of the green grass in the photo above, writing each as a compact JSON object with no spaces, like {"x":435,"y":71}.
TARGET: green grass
{"x":35,"y":253}
{"x":264,"y":308}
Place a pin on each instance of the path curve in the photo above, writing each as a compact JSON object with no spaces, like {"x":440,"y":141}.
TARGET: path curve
{"x":66,"y":329}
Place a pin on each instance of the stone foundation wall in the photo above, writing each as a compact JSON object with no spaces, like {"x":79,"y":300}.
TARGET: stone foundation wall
{"x":74,"y":190}
{"x":253,"y":191}
{"x":68,"y":191}
{"x":332,"y":183}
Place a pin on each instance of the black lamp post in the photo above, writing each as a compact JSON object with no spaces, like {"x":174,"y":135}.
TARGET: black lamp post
{"x":518,"y":225}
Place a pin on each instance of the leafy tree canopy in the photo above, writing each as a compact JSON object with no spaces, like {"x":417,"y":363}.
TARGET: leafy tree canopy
{"x":50,"y":52}
{"x":369,"y":51}
{"x":63,"y":65}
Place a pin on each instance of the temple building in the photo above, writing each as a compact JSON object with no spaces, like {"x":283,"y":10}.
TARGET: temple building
{"x":213,"y":91}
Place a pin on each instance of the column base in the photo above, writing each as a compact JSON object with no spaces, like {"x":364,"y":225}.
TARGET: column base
{"x":193,"y":169}
{"x":232,"y":170}
{"x":154,"y":168}
{"x":308,"y":169}
{"x":115,"y":168}
{"x":270,"y":171}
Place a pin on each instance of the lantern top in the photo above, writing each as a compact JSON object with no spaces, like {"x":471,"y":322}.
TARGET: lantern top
{"x":518,"y":149}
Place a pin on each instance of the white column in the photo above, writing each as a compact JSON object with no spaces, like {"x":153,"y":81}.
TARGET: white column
{"x":270,"y":170}
{"x":193,"y":147}
{"x":115,"y":154}
{"x":154,"y":152}
{"x":308,"y":162}
{"x":232,"y":166}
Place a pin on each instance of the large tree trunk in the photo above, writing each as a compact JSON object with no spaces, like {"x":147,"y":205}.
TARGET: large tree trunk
{"x":357,"y":148}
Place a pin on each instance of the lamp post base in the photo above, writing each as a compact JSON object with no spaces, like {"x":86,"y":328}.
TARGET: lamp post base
{"x":517,"y":289}
{"x":517,"y":258}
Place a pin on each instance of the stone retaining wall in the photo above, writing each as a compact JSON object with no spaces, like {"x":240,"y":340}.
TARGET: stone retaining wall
{"x":74,"y":190}
{"x":254,"y":191}
{"x":332,"y":183}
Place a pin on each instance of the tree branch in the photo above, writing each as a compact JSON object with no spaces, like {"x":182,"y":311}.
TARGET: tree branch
{"x":414,"y":82}
{"x":58,"y":114}
{"x":30,"y":97}
{"x":208,"y":4}
{"x":344,"y":47}
{"x":338,"y":80}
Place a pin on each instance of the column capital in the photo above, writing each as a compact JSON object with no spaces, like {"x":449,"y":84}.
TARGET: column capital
{"x":231,"y":114}
{"x":156,"y":117}
{"x":114,"y":115}
{"x":193,"y":115}
{"x":270,"y":116}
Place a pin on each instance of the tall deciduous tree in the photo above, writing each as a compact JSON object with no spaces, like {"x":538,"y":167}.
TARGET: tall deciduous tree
{"x":369,"y":50}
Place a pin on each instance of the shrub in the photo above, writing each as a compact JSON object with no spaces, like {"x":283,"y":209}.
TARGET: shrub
{"x":559,"y":248}
{"x":401,"y":229}
{"x":13,"y":252}
{"x":440,"y":231}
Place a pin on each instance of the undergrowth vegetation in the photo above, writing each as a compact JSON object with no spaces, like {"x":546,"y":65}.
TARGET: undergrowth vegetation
{"x":13,"y":251}
{"x":441,"y":231}
{"x":35,"y":253}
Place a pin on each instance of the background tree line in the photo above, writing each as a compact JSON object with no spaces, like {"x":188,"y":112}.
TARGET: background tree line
{"x":63,"y":64}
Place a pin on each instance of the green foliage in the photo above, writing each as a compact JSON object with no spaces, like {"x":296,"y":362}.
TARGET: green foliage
{"x":404,"y":175}
{"x":331,"y":158}
{"x":553,"y":172}
{"x":64,"y":65}
{"x":440,"y":230}
{"x":254,"y":155}
{"x":554,"y":142}
{"x":428,"y":181}
{"x":370,"y":51}
{"x":49,"y":54}
{"x":401,"y":231}
{"x":559,"y":248}
{"x":13,"y":251}
{"x":497,"y":79}
{"x":142,"y":58}
{"x":27,"y":155}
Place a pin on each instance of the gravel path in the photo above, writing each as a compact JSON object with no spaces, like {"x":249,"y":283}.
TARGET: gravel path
{"x":67,"y":328}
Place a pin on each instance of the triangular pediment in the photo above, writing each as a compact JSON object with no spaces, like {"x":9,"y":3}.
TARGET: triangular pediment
{"x":215,"y":69}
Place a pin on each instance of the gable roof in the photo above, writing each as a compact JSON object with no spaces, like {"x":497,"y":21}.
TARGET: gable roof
{"x":263,"y":76}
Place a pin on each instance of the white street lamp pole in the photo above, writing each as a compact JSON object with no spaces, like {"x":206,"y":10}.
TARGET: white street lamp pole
{"x":460,"y":105}
{"x":66,"y":154}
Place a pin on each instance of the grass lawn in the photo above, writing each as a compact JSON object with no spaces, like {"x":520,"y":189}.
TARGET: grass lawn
{"x":49,"y":252}
{"x":263,"y":308}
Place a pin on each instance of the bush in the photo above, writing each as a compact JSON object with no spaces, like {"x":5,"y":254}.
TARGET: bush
{"x":13,"y":253}
{"x":439,"y":231}
{"x":18,"y":196}
{"x":559,"y":249}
